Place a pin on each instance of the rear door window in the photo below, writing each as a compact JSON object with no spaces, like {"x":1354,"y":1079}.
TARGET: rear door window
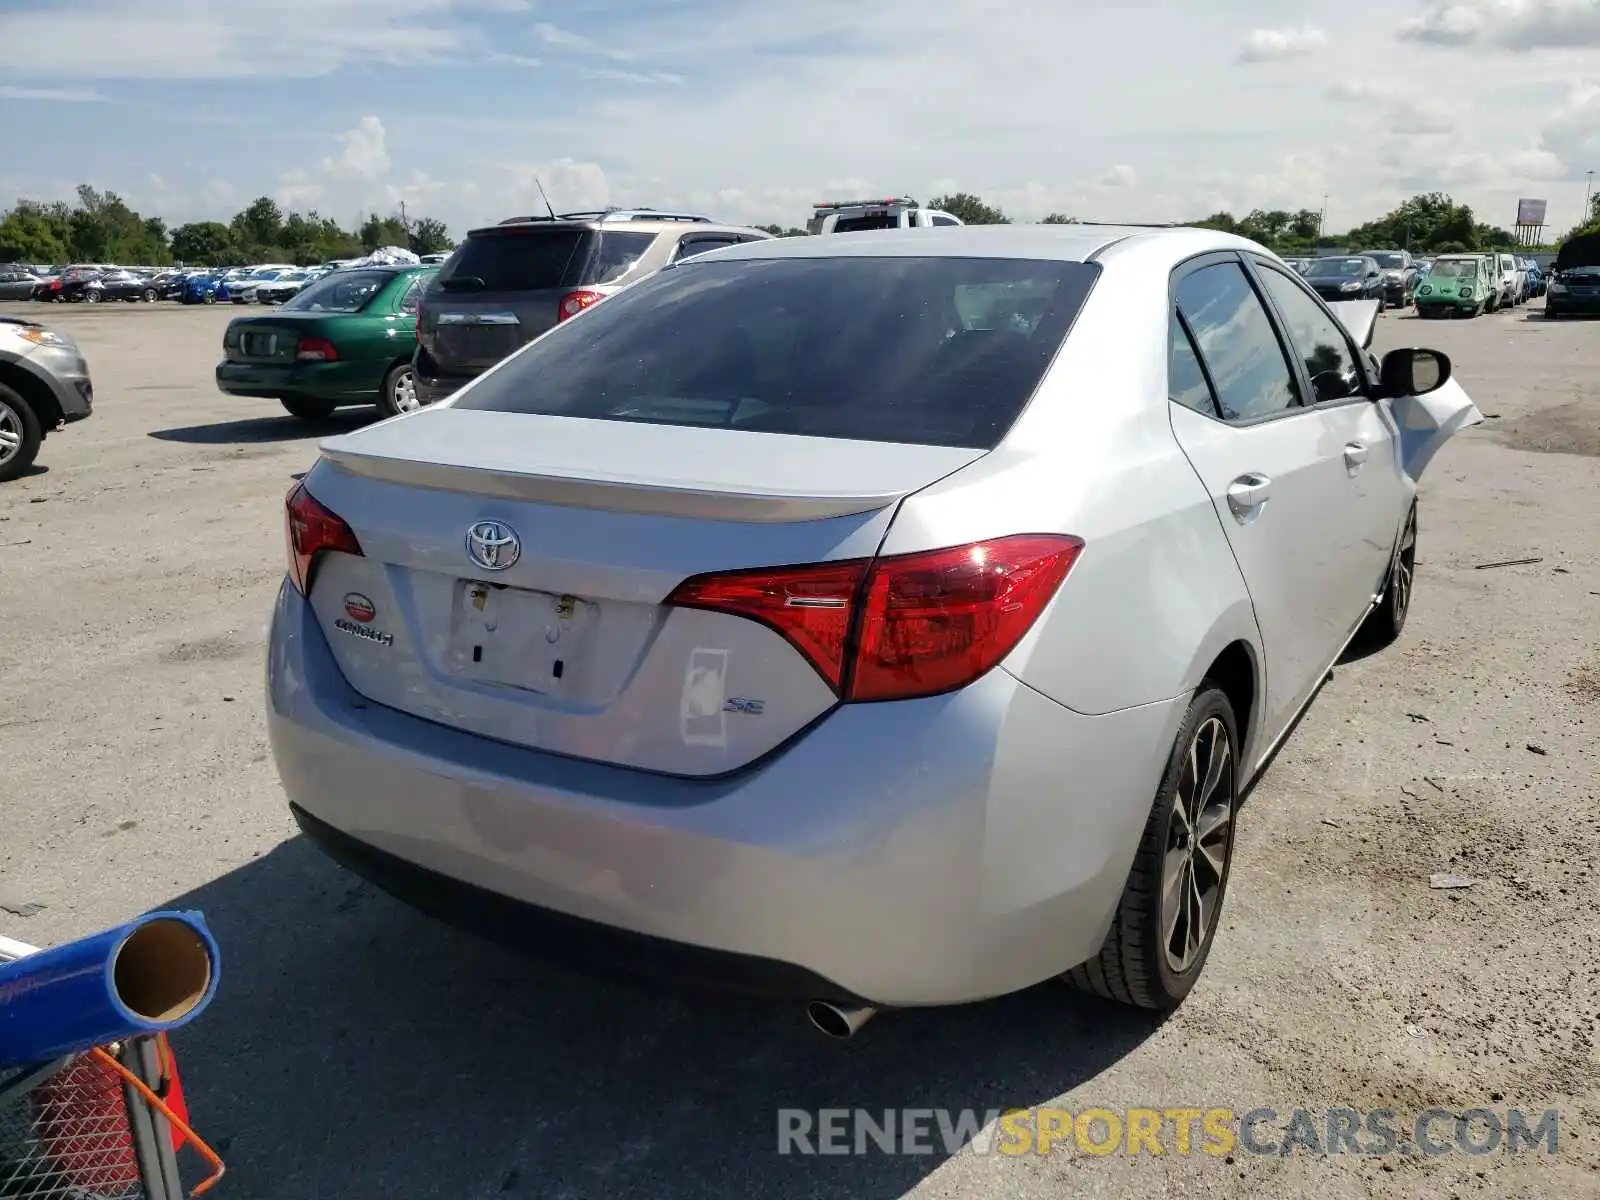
{"x":936,"y":351}
{"x":517,"y":260}
{"x":615,"y":255}
{"x":690,"y":247}
{"x":1237,"y":342}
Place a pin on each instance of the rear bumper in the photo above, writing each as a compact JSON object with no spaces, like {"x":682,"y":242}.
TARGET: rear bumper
{"x":923,"y":852}
{"x":433,"y":388}
{"x":1568,"y":303}
{"x":344,"y":382}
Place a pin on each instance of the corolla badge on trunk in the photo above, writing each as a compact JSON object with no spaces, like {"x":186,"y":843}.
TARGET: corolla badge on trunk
{"x":493,"y":545}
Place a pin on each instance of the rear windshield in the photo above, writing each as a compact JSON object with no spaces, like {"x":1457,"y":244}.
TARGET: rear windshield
{"x":518,"y":260}
{"x":341,"y":292}
{"x":858,"y":224}
{"x":935,"y":351}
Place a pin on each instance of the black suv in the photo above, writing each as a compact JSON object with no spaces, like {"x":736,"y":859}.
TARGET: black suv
{"x":508,"y":283}
{"x":1400,"y":275}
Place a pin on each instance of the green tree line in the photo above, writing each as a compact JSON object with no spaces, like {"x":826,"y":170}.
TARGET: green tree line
{"x":100,"y":227}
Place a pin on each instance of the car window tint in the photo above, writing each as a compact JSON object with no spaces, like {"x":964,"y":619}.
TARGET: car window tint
{"x":945,"y":221}
{"x":1186,"y":381}
{"x":1238,"y":343}
{"x":616,"y":254}
{"x":937,"y":351}
{"x":514,"y":260}
{"x":688,"y":249}
{"x":412,"y":300}
{"x":1318,"y":339}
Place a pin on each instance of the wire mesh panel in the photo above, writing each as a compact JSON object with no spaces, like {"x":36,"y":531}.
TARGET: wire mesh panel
{"x":66,"y":1134}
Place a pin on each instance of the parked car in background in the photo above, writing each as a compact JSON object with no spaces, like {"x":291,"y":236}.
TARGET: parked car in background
{"x":120,"y":285}
{"x":346,"y":339}
{"x":284,"y":285}
{"x":508,"y":283}
{"x":1513,"y":288}
{"x":780,"y":583}
{"x":243,"y":290}
{"x":1574,"y":285}
{"x":211,"y":288}
{"x":44,"y":384}
{"x":77,"y":286}
{"x":894,"y":212}
{"x":18,"y":284}
{"x":1534,"y":276}
{"x":1352,"y":277}
{"x":434,"y":260}
{"x":1399,"y":275}
{"x":1459,"y":285}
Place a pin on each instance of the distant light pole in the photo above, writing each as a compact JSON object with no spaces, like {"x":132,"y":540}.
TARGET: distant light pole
{"x":1587,"y":191}
{"x":1322,"y":218}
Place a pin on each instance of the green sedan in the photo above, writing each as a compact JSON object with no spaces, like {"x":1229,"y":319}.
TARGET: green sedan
{"x":1457,"y":283}
{"x":348,"y":338}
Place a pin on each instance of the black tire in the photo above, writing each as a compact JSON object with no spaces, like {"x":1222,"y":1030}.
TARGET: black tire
{"x":149,"y":295}
{"x":17,"y":419}
{"x":92,"y":296}
{"x":209,"y":298}
{"x":307,"y":408}
{"x":1135,"y":966}
{"x":389,"y":403}
{"x":1387,"y":621}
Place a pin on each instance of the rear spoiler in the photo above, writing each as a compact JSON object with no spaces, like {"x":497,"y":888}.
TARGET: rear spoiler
{"x":1359,"y":317}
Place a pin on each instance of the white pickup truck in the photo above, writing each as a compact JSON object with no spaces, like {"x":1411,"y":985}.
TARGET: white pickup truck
{"x":896,"y":212}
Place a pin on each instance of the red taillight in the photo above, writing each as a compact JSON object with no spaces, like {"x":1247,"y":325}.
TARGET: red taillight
{"x":574,"y":303}
{"x":811,"y":606}
{"x":55,"y":285}
{"x":310,"y":530}
{"x":895,"y":628}
{"x":313,"y":349}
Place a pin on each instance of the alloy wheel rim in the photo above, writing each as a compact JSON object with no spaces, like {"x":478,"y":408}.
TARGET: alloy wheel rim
{"x":1199,"y":837}
{"x":1405,"y":569}
{"x":10,"y":433}
{"x":405,"y":393}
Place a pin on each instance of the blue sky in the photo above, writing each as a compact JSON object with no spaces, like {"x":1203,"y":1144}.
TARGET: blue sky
{"x":1153,"y":110}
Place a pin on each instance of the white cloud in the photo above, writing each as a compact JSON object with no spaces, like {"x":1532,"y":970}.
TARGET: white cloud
{"x":1572,"y":133}
{"x":554,"y":36}
{"x":1276,"y":45}
{"x":63,"y":95}
{"x":1393,"y":108}
{"x":365,"y":154}
{"x":1512,"y":24}
{"x":297,"y":190}
{"x":615,"y":75}
{"x":1121,"y":175}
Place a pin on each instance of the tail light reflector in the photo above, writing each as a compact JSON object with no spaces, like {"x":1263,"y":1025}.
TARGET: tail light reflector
{"x":574,"y":303}
{"x":896,"y":628}
{"x":314,"y":349}
{"x":312,"y":529}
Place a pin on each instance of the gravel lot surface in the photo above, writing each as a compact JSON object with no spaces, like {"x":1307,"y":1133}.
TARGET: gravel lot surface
{"x":357,"y":1050}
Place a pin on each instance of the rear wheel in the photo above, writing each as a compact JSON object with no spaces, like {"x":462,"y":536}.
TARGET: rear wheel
{"x":308,"y":408}
{"x":1167,"y":918}
{"x":149,"y":295}
{"x":92,"y":296}
{"x":1387,"y":621}
{"x":20,"y":434}
{"x":399,"y":393}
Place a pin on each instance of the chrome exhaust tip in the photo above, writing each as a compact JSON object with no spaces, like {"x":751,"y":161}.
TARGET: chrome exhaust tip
{"x":839,"y":1022}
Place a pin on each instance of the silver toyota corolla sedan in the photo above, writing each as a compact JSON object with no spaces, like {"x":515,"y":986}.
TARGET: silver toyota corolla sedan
{"x":875,"y":621}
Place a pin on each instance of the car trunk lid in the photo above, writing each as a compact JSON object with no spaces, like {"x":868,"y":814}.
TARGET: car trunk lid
{"x":566,"y":645}
{"x":269,"y":339}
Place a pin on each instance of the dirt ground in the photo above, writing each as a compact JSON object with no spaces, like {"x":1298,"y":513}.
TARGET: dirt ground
{"x":357,"y":1050}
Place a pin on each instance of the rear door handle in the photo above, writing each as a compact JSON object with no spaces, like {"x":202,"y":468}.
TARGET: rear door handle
{"x":1355,"y":453}
{"x":1248,"y":493}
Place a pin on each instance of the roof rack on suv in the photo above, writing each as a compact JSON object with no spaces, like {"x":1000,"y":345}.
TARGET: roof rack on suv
{"x":906,"y":201}
{"x":614,"y":214}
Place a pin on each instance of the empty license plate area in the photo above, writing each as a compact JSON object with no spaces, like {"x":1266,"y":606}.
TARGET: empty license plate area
{"x":260,"y":345}
{"x":517,"y":638}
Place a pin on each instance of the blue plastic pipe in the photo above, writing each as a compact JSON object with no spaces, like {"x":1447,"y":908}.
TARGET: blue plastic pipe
{"x":154,"y":974}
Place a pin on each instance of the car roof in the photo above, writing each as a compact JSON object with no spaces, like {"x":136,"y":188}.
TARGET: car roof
{"x":1063,"y":243}
{"x":634,"y":225}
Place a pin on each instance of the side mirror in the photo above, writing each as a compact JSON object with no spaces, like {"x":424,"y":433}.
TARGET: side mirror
{"x":1413,"y":372}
